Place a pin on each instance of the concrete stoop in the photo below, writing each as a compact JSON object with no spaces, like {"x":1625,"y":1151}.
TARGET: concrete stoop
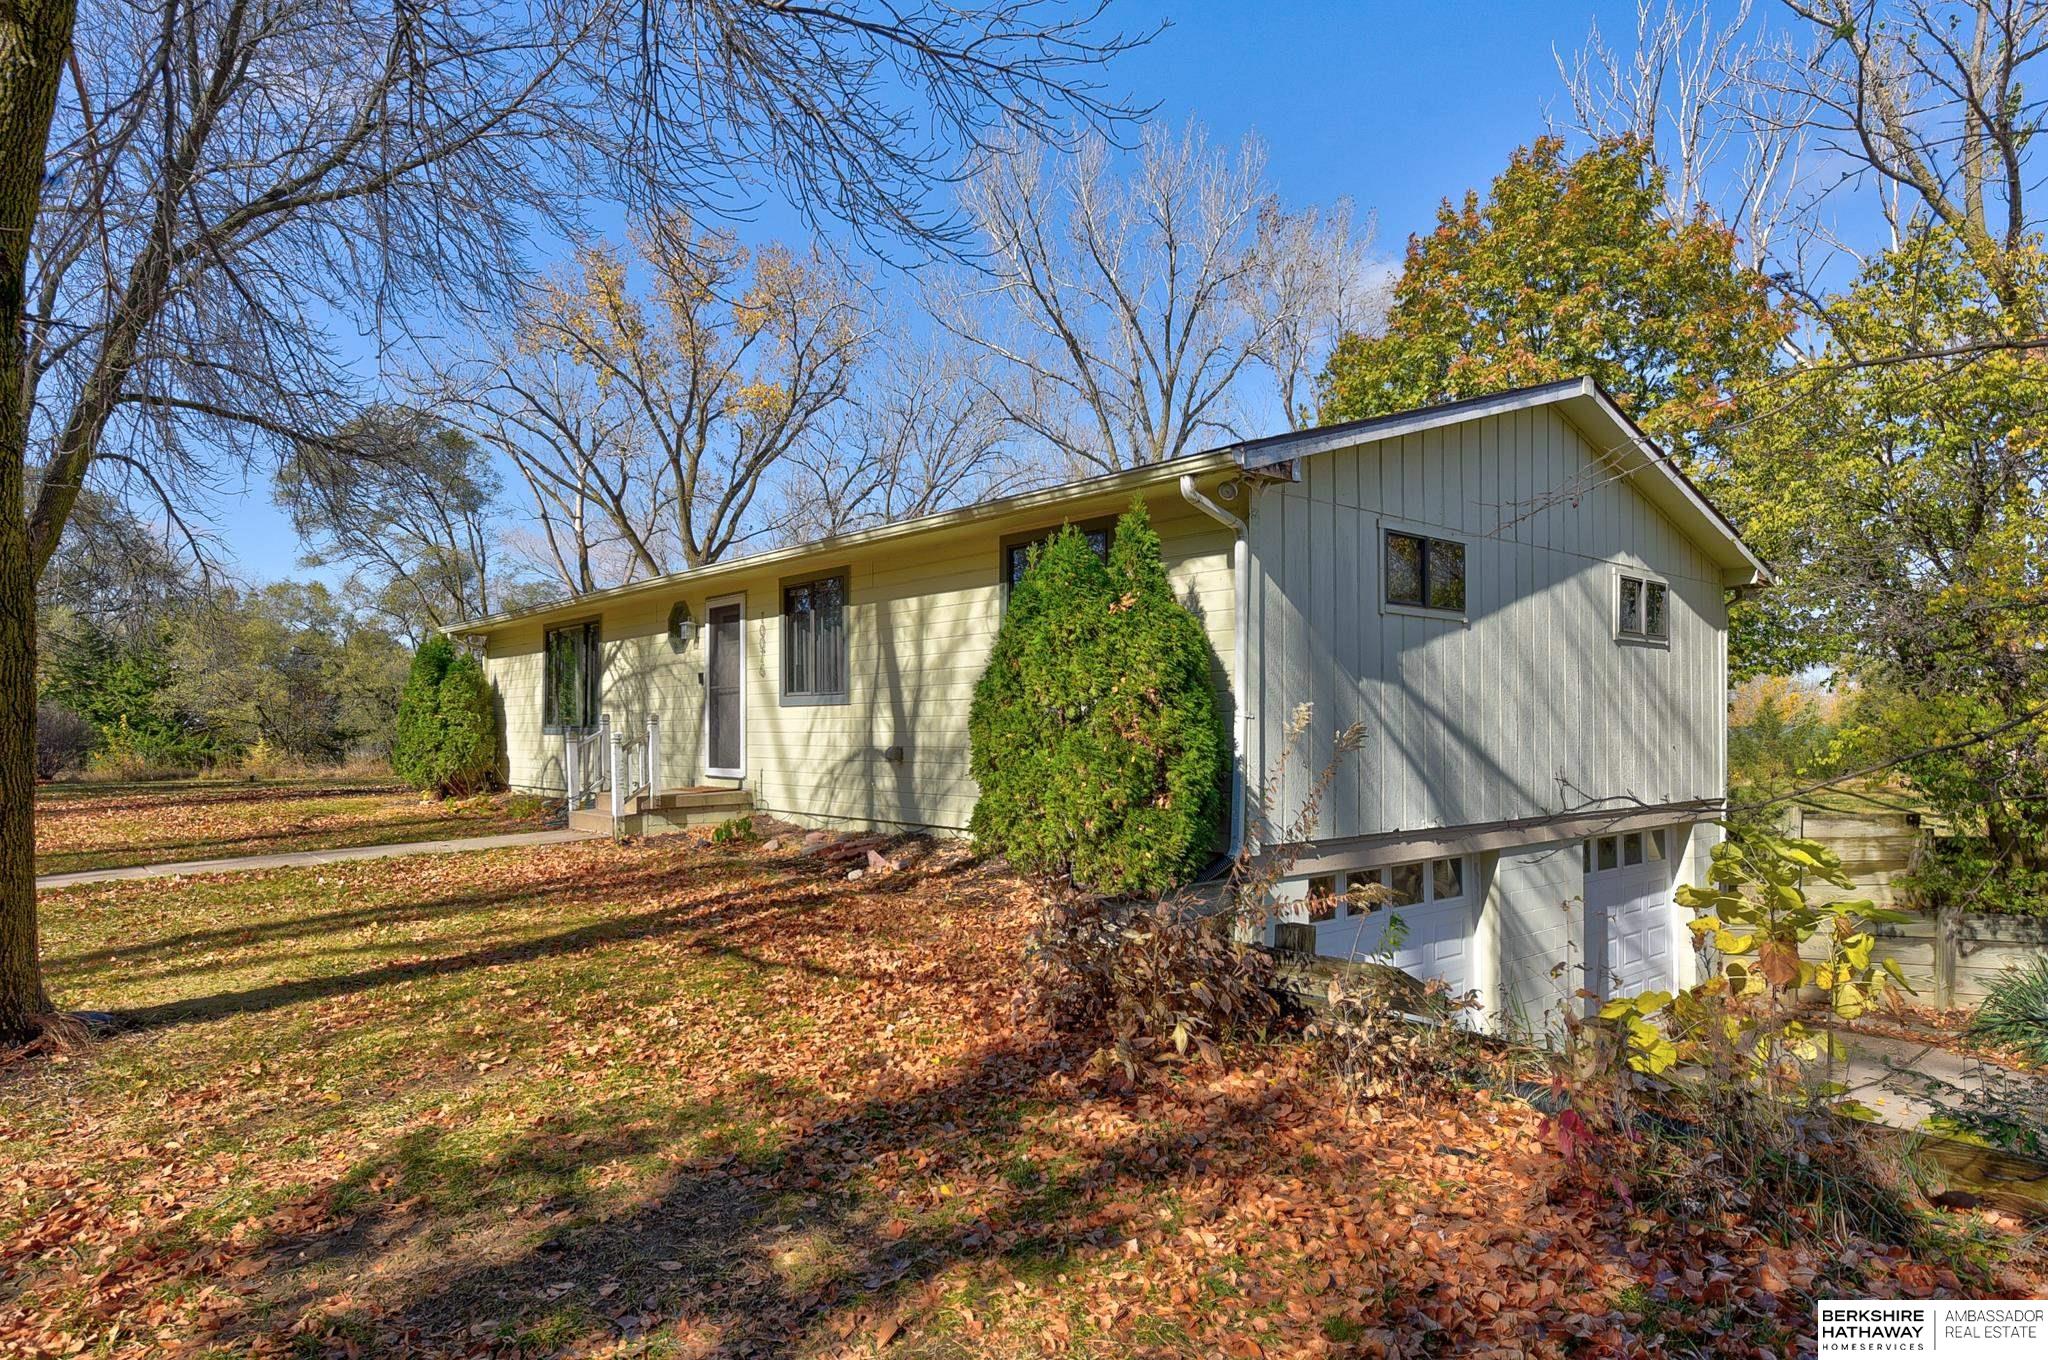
{"x":674,"y":810}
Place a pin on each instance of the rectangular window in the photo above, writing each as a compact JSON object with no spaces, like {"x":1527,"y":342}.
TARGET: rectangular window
{"x":1017,"y":553}
{"x":1425,"y":573}
{"x":1447,"y":879}
{"x":1631,"y":621}
{"x":1632,"y":848}
{"x":1405,"y":880}
{"x":1322,"y":898}
{"x":1358,"y":899}
{"x":1609,"y":853}
{"x":1653,"y":843}
{"x":1642,"y":609}
{"x":569,"y":673}
{"x":814,"y":640}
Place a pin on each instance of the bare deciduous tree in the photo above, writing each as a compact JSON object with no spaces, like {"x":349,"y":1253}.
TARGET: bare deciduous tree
{"x":917,"y":435}
{"x":1933,"y":99}
{"x":1129,"y":312}
{"x":1695,"y":91}
{"x":652,"y":419}
{"x":409,"y":501}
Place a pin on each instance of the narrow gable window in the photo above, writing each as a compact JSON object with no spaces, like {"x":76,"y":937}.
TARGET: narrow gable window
{"x":1425,"y":573}
{"x":569,"y":678}
{"x":814,"y":640}
{"x":1642,"y":609}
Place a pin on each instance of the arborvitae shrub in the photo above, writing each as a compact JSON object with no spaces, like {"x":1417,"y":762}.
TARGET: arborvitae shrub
{"x":416,"y":742}
{"x":468,"y":759}
{"x":1096,"y":737}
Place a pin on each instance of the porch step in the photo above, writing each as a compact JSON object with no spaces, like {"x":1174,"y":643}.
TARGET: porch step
{"x":674,"y":810}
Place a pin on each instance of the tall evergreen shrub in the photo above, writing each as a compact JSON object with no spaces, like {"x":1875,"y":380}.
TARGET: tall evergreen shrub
{"x":467,"y":761}
{"x":416,"y":742}
{"x":1096,"y":737}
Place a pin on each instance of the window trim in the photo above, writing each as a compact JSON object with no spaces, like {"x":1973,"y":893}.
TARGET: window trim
{"x":1426,"y":532}
{"x":817,"y":698}
{"x":1646,"y":579}
{"x":593,"y":678}
{"x":1105,"y":523}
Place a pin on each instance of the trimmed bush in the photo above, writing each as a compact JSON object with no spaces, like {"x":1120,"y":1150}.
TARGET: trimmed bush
{"x":416,"y":741}
{"x":1096,"y":737}
{"x":467,"y":761}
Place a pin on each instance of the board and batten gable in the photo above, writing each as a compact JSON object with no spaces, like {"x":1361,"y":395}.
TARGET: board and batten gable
{"x":922,"y":612}
{"x":1525,"y":707}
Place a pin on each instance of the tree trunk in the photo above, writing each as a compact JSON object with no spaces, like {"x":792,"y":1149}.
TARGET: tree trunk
{"x":35,"y":36}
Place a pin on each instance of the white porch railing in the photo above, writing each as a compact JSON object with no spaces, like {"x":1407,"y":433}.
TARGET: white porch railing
{"x":602,"y":766}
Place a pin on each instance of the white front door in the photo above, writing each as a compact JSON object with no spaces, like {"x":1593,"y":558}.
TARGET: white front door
{"x":1631,"y":924}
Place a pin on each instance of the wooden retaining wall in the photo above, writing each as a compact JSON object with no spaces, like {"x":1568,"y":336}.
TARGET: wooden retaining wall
{"x":1950,"y":957}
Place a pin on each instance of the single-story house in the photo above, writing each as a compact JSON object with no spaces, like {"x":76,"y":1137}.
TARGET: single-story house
{"x":1520,"y":598}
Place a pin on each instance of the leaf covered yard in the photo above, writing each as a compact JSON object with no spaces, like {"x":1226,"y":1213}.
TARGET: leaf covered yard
{"x":664,"y":1099}
{"x":87,"y":826}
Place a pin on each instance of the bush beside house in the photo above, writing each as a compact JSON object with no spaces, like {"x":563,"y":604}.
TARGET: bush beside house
{"x":1096,"y":736}
{"x":447,"y":729}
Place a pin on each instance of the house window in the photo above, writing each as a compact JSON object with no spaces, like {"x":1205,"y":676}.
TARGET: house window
{"x":1642,"y":609}
{"x":1628,"y":850}
{"x":569,"y":669}
{"x":1322,"y":898}
{"x":1017,"y":552}
{"x":814,"y":640}
{"x":1425,"y":573}
{"x":1361,"y":892}
{"x":1405,"y":882}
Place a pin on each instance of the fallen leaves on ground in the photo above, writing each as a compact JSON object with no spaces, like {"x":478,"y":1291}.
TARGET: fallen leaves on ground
{"x":665,"y":1099}
{"x":80,"y":827}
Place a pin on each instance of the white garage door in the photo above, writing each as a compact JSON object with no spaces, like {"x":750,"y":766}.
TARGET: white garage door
{"x":1434,"y":900}
{"x":1631,"y":926}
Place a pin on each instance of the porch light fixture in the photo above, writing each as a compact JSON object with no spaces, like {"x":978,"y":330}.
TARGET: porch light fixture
{"x":681,"y":627}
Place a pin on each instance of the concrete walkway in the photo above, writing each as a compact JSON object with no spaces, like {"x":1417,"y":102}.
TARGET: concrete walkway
{"x":1907,"y":1082}
{"x":303,"y":858}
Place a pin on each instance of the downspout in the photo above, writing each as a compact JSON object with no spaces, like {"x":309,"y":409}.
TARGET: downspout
{"x":1239,"y":568}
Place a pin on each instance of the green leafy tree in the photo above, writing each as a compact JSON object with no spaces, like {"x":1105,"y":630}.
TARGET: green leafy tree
{"x":416,"y":743}
{"x":466,"y":760}
{"x":126,"y":687}
{"x":1096,"y":737}
{"x":1902,"y":502}
{"x":1570,"y":267}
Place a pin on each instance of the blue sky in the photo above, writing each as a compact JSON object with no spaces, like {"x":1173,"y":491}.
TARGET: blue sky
{"x":1392,"y":105}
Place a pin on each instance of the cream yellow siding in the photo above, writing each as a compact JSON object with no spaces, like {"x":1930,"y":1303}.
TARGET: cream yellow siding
{"x":921,"y":614}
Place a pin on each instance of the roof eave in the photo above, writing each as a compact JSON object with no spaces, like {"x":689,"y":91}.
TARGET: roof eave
{"x":1107,"y":484}
{"x":1583,"y":399}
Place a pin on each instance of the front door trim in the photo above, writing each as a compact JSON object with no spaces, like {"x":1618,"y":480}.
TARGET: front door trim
{"x":710,"y":640}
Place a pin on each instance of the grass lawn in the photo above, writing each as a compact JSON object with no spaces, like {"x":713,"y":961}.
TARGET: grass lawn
{"x":105,"y":826}
{"x":661,"y":1099}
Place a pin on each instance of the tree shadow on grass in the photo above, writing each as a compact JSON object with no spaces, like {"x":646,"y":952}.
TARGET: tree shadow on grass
{"x":310,"y":928}
{"x":281,"y":840}
{"x":763,"y":1251}
{"x":152,"y":799}
{"x":729,"y":909}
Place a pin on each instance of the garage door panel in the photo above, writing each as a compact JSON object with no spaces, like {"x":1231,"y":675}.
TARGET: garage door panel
{"x":1630,"y":922}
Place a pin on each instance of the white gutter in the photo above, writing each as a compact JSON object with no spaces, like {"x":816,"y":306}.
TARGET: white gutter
{"x":1239,"y":569}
